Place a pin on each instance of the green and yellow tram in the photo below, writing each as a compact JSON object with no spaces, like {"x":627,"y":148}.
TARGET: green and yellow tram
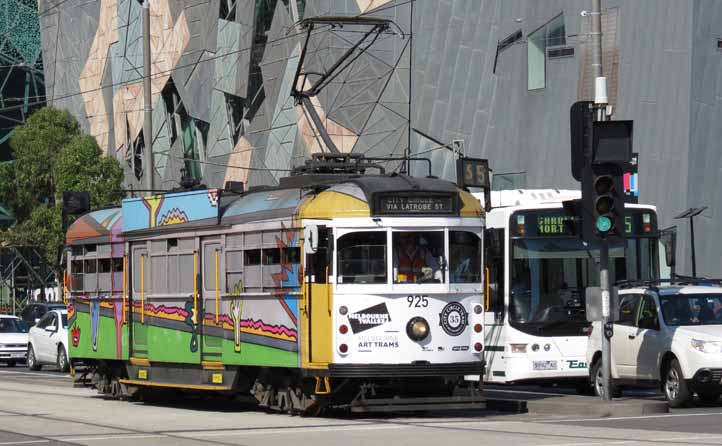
{"x":337,"y":288}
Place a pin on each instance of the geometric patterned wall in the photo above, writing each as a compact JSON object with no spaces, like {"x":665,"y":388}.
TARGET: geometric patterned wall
{"x":21,"y":67}
{"x":222,"y":72}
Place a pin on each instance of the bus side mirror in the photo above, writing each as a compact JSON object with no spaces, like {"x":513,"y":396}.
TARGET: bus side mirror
{"x":310,"y":239}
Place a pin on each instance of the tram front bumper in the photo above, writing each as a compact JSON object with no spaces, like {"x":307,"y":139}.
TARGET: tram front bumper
{"x":419,"y":369}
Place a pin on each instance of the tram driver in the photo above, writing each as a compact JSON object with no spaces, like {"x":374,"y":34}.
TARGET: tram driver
{"x":413,"y":260}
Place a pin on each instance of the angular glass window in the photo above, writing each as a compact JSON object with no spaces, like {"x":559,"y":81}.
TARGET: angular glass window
{"x":552,"y":34}
{"x":536,"y":63}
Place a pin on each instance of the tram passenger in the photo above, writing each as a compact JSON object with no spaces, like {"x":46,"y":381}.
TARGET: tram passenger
{"x":413,"y":261}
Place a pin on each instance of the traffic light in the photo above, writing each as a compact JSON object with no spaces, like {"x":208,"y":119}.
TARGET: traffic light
{"x":603,"y":201}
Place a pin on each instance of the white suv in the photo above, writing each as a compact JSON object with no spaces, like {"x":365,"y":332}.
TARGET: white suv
{"x":49,"y":341}
{"x":681,"y":350}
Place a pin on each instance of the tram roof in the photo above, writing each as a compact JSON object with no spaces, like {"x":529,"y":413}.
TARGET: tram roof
{"x":208,"y":207}
{"x":102,"y":226}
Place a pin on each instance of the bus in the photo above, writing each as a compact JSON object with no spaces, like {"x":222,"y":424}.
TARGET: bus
{"x":537,"y":271}
{"x":338,"y":288}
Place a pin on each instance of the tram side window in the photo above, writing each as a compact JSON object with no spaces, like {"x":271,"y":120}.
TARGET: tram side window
{"x":104,"y":280}
{"x":464,"y":257}
{"x":234,"y":271}
{"x":362,"y":258}
{"x":271,"y":256}
{"x":76,"y":274}
{"x":253,"y":257}
{"x":290,"y":256}
{"x":495,"y":264}
{"x":90,"y":279}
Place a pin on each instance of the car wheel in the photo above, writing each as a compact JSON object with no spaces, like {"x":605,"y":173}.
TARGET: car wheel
{"x":675,"y":387}
{"x":709,"y":395}
{"x":32,"y":360}
{"x":63,"y":363}
{"x":597,"y":378}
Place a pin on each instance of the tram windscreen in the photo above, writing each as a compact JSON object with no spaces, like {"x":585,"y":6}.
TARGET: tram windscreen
{"x":362,"y":257}
{"x":549,"y":277}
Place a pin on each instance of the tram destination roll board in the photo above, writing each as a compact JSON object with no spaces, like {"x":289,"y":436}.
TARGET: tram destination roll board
{"x":428,"y":204}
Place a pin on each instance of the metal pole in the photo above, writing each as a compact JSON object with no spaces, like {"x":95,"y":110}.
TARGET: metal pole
{"x":606,"y":344}
{"x":597,"y":37}
{"x":147,"y":99}
{"x":694,"y":259}
{"x":411,"y":86}
{"x":12,"y":284}
{"x":600,"y":99}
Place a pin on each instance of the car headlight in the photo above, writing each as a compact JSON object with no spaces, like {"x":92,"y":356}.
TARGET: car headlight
{"x":706,"y":346}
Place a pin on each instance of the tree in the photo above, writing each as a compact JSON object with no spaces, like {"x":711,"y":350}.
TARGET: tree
{"x":51,"y":156}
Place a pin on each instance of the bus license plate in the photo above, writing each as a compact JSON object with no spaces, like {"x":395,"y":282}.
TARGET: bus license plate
{"x":545,"y":365}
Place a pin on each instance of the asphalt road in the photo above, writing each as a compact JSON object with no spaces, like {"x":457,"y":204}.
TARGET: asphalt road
{"x":43,"y":408}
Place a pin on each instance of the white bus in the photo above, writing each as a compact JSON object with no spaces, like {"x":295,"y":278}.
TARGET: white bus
{"x":537,"y":271}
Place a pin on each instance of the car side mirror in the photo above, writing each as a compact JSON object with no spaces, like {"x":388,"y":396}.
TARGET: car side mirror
{"x":51,"y":328}
{"x":37,"y":319}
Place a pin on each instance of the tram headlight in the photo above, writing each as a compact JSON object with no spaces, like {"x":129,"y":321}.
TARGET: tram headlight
{"x":417,"y":328}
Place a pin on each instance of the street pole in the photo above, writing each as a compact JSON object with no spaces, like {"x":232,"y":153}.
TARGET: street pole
{"x":600,"y":100}
{"x":12,"y":285}
{"x":694,"y":259}
{"x":147,"y":100}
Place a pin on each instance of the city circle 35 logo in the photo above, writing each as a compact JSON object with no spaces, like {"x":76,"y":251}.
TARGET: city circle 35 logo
{"x":369,"y":318}
{"x":453,"y":319}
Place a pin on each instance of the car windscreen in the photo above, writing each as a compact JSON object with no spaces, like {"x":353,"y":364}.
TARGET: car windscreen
{"x":12,"y":325}
{"x":692,"y":309}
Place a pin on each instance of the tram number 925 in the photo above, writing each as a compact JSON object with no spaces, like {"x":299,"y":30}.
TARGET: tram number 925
{"x":418,"y":301}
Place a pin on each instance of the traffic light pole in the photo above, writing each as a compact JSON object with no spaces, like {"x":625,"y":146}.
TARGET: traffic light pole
{"x":600,"y":99}
{"x":606,"y":304}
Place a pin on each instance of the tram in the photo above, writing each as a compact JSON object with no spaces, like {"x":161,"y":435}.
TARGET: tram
{"x":537,"y":271}
{"x":337,"y":289}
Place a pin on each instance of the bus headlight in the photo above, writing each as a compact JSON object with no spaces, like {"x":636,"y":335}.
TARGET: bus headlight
{"x":417,"y":329}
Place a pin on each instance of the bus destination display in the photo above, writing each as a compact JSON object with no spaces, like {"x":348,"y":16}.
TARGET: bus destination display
{"x":555,"y":223}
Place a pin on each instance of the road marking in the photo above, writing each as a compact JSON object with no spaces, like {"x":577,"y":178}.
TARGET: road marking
{"x":295,"y":430}
{"x":594,"y":444}
{"x":25,"y":442}
{"x":641,"y":417}
{"x":109,"y":437}
{"x":51,"y":375}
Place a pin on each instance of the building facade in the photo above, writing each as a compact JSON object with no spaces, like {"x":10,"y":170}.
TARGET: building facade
{"x":22,"y":89}
{"x":499,"y":75}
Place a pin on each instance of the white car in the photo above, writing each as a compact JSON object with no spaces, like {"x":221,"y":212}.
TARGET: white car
{"x":668,"y":336}
{"x":49,"y":341}
{"x":13,"y":340}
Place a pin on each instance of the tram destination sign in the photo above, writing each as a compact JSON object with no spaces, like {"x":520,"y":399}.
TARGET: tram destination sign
{"x":402,"y":204}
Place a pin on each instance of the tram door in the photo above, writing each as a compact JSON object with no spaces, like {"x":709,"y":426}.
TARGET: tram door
{"x":318,"y":301}
{"x":140,"y":286}
{"x":212,"y":290}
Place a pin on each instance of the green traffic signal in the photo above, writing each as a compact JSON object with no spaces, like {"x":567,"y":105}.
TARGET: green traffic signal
{"x":604,"y":224}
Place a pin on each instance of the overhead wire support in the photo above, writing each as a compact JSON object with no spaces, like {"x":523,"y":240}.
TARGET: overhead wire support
{"x":303,"y":96}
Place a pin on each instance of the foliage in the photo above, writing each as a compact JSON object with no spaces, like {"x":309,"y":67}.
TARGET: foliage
{"x":51,"y":157}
